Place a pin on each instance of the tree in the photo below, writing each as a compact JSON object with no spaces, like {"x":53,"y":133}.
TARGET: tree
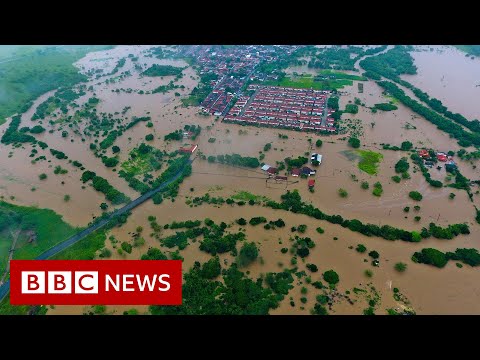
{"x":66,"y":198}
{"x":402,"y":165}
{"x":415,"y":195}
{"x":241,"y":221}
{"x":406,"y":145}
{"x":110,"y":162}
{"x":365,"y":185}
{"x":211,"y":269}
{"x":318,"y":143}
{"x":400,"y":267}
{"x":374,"y":254}
{"x":103,"y":206}
{"x":115,"y":149}
{"x":331,"y":277}
{"x":248,"y":254}
{"x":42,"y":176}
{"x":354,"y":142}
{"x":149,"y":137}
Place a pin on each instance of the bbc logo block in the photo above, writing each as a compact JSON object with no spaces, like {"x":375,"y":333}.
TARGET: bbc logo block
{"x":96,"y":282}
{"x":59,"y":282}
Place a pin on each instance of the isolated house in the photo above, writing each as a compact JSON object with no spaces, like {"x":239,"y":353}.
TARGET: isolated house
{"x":188,"y":150}
{"x":266,"y":167}
{"x":272,"y":170}
{"x":442,"y":157}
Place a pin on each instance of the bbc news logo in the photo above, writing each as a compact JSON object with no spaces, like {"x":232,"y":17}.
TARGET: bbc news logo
{"x":99,"y":282}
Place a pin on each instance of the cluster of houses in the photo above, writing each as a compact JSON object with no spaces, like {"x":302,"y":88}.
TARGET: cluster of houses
{"x":295,"y":172}
{"x":450,"y":164}
{"x":289,"y":108}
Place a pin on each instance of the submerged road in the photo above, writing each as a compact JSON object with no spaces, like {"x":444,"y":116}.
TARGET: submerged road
{"x":5,"y":288}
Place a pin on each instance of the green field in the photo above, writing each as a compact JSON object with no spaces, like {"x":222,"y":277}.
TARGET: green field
{"x":369,"y":161}
{"x":36,"y":72}
{"x":246,"y":196}
{"x":48,"y":226}
{"x":326,"y":80}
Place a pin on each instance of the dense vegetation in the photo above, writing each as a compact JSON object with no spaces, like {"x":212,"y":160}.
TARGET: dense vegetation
{"x":162,"y":70}
{"x":235,"y":160}
{"x":439,"y":259}
{"x":236,"y":295}
{"x":102,"y":185}
{"x":291,"y":201}
{"x":465,"y":138}
{"x":385,"y":107}
{"x":391,"y":64}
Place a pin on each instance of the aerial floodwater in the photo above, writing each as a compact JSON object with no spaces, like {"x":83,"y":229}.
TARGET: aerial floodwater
{"x":449,"y":75}
{"x":288,"y":179}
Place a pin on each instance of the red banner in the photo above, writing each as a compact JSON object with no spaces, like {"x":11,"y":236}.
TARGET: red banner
{"x":96,"y":282}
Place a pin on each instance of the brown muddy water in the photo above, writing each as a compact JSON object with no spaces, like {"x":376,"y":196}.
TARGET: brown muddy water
{"x":430,"y":290}
{"x":447,"y":74}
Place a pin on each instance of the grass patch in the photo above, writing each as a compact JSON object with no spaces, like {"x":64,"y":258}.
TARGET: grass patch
{"x":48,"y":226}
{"x":369,"y":161}
{"x":247,"y":196}
{"x":307,"y":82}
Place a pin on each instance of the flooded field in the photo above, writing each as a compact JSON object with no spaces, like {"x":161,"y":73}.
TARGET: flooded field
{"x":451,"y":290}
{"x":447,"y":74}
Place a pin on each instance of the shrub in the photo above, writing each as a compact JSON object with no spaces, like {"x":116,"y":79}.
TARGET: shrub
{"x":406,"y":209}
{"x":66,"y":198}
{"x":396,"y":178}
{"x":320,"y":230}
{"x":318,"y":143}
{"x":415,"y":195}
{"x":302,"y":228}
{"x":257,"y":220}
{"x":451,"y":196}
{"x":149,"y":137}
{"x":400,"y":267}
{"x":241,"y":221}
{"x":342,"y":192}
{"x":42,"y":176}
{"x":374,"y":254}
{"x":368,"y":273}
{"x":354,"y":142}
{"x":365,"y":185}
{"x":126,"y":247}
{"x":312,"y":267}
{"x":361,"y":248}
